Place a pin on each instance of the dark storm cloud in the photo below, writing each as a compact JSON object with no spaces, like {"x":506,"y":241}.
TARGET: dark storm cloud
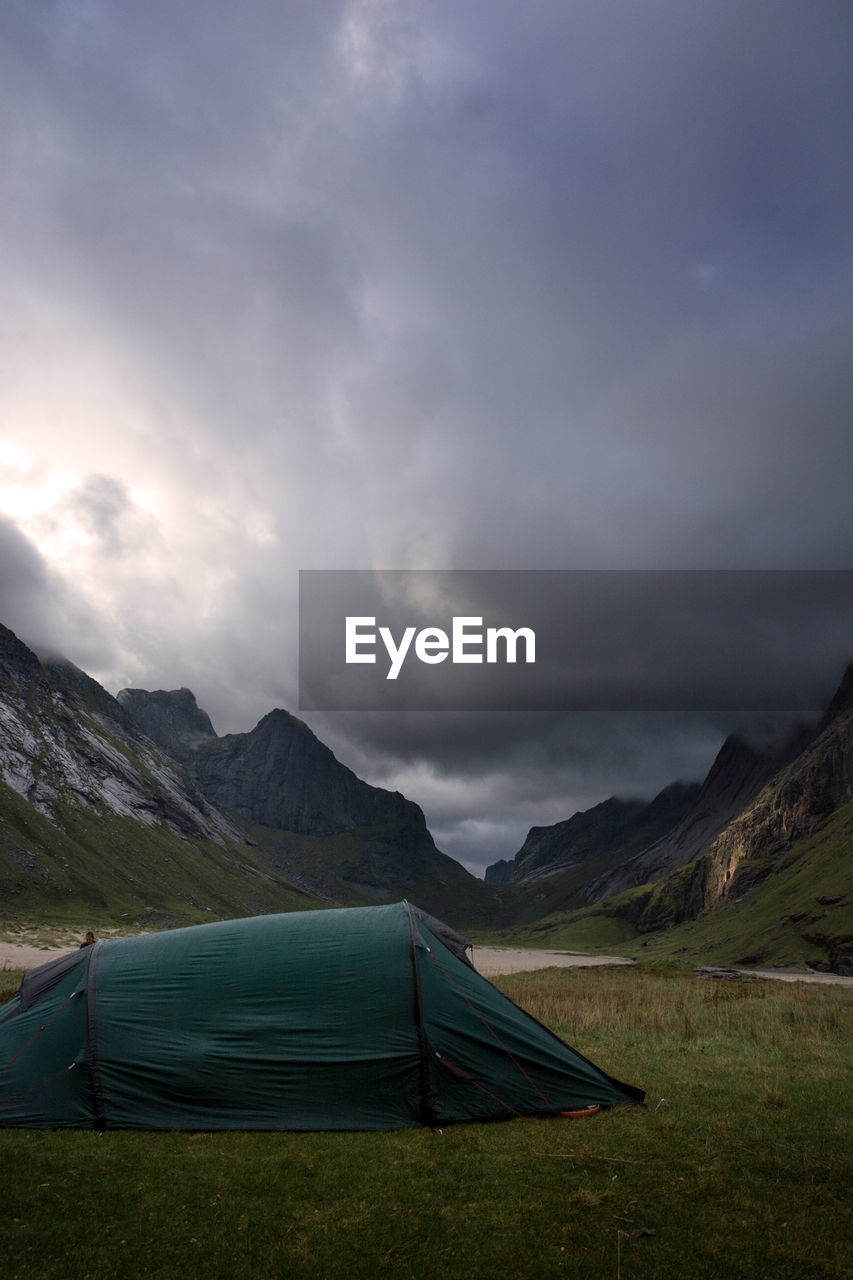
{"x":484,"y":782}
{"x":442,"y":285}
{"x":23,"y":574}
{"x":572,"y":640}
{"x":42,"y":609}
{"x":535,"y":256}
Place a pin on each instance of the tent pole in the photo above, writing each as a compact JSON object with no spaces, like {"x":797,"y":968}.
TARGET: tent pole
{"x":427,"y":1116}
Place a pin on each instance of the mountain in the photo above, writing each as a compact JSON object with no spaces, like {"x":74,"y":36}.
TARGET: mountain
{"x":789,"y":819}
{"x":63,"y":739}
{"x":310,"y":815}
{"x":278,"y":775}
{"x":608,"y":833}
{"x":735,"y":778}
{"x":133,"y":812}
{"x":619,"y":844}
{"x":773,"y":886}
{"x":174,"y":720}
{"x":106,"y":818}
{"x":95,"y":818}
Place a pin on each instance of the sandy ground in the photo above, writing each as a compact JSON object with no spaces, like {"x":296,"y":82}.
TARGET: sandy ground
{"x":493,"y":960}
{"x":13,"y":955}
{"x":796,"y":975}
{"x":487,"y":960}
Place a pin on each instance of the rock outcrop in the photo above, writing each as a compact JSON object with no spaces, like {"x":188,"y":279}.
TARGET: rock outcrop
{"x":279,"y":774}
{"x":801,"y":799}
{"x":802,"y":818}
{"x":173,"y":719}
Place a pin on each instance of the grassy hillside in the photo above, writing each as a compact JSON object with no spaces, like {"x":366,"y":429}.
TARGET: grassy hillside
{"x":98,"y":870}
{"x":105,"y":870}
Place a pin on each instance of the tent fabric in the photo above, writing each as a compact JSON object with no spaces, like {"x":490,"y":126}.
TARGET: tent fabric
{"x":353,"y":1018}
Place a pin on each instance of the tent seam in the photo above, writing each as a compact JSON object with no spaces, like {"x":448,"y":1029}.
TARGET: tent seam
{"x":427,"y":1116}
{"x":92,"y":1063}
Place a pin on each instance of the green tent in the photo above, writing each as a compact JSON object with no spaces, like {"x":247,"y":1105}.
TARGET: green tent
{"x":362,"y":1018}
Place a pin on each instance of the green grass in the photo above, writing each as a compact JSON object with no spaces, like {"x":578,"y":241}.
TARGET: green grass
{"x":737,"y":1168}
{"x":591,"y":930}
{"x":97,"y":870}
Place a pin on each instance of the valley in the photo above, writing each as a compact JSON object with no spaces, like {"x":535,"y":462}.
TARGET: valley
{"x":130,"y":813}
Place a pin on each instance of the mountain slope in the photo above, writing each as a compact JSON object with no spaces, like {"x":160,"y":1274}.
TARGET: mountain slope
{"x":311,"y":816}
{"x":774,"y":887}
{"x":556,"y":864}
{"x":279,"y":774}
{"x":95,"y":817}
{"x":734,"y":780}
{"x":614,"y":829}
{"x":98,"y":822}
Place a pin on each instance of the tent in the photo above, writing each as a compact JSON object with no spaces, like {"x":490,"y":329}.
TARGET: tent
{"x":354,"y":1018}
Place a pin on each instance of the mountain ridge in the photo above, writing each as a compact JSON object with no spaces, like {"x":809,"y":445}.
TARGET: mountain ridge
{"x":87,"y":796}
{"x":278,"y":774}
{"x":97,"y":815}
{"x":774,"y":886}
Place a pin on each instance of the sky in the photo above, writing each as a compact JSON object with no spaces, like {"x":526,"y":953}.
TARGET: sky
{"x":392,"y":284}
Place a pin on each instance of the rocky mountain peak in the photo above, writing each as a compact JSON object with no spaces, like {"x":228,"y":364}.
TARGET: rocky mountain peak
{"x":279,"y":774}
{"x":172,"y":718}
{"x":18,"y":664}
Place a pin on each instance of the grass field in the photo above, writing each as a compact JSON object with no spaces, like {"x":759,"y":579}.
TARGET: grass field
{"x":738,"y":1167}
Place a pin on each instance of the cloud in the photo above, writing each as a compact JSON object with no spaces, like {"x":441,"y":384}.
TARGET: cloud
{"x":39,"y":605}
{"x":363,"y":284}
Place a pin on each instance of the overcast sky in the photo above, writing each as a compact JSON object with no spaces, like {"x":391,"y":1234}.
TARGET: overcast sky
{"x":448,"y":284}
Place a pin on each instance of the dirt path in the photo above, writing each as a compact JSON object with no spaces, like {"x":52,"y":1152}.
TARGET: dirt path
{"x":796,"y":975}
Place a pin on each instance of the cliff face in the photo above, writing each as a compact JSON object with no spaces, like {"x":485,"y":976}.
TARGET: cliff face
{"x":98,"y":823}
{"x":279,"y":775}
{"x":65,"y":741}
{"x":802,"y":798}
{"x":174,"y":719}
{"x":793,"y":844}
{"x":734,"y":780}
{"x":621,"y":844}
{"x":315,"y":821}
{"x":614,"y":829}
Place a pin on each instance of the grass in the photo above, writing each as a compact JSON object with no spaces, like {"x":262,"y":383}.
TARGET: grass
{"x":99,"y":870}
{"x":736,"y":1168}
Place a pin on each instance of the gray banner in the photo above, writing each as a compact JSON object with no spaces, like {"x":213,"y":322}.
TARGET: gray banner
{"x":512,"y":640}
